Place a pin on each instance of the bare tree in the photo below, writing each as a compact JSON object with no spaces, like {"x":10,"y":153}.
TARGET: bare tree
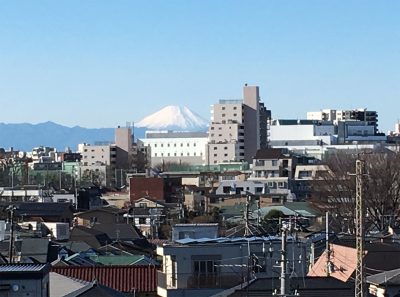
{"x":335,"y":190}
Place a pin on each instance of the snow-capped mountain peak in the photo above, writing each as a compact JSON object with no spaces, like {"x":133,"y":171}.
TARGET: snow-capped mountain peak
{"x":174,"y":118}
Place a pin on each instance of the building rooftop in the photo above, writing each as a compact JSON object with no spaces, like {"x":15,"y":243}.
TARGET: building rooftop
{"x":18,"y":268}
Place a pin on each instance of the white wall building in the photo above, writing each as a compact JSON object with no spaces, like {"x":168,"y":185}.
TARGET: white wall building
{"x":177,"y":147}
{"x":312,"y":131}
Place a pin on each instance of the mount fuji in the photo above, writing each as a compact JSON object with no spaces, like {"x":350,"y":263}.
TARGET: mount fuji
{"x":174,"y":118}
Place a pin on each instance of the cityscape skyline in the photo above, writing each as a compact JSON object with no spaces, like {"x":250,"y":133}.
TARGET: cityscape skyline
{"x":74,"y":63}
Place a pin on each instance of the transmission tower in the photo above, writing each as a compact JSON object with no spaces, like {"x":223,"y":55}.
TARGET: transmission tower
{"x":359,"y":282}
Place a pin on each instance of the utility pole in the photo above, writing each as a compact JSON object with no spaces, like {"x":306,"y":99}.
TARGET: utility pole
{"x":247,"y":231}
{"x":11,"y":209}
{"x":284,"y":279}
{"x":283,"y":262}
{"x":327,"y":248}
{"x":359,"y":282}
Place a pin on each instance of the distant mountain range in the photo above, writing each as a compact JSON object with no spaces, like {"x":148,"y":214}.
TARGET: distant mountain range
{"x":27,"y":136}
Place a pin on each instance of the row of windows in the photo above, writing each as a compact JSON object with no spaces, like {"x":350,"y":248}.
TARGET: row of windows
{"x":216,"y":155}
{"x":234,"y":107}
{"x":168,"y":145}
{"x":215,"y":148}
{"x":175,"y":154}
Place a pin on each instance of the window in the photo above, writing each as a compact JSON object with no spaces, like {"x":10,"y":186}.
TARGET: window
{"x":174,"y":144}
{"x":235,"y":114}
{"x":188,"y":144}
{"x":205,"y":268}
{"x":155,"y":154}
{"x":194,"y":144}
{"x":234,"y":108}
{"x":194,"y":154}
{"x":305,"y":173}
{"x":215,"y":155}
{"x":168,"y":154}
{"x":223,"y":115}
{"x":155,"y":145}
{"x":168,"y":144}
{"x":212,"y":128}
{"x":215,"y":148}
{"x":181,"y":144}
{"x":274,"y":162}
{"x":225,"y":155}
{"x":142,"y":221}
{"x":175,"y":154}
{"x":223,"y":107}
{"x":226,"y":190}
{"x":225,"y":147}
{"x":162,"y":145}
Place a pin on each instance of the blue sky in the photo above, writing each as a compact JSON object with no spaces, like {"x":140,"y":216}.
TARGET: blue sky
{"x":102,"y":63}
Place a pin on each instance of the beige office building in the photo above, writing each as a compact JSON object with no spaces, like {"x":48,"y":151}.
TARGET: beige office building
{"x":236,"y":131}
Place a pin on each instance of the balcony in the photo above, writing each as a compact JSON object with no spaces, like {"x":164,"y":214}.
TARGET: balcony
{"x":200,"y":281}
{"x":214,"y":280}
{"x":161,"y":280}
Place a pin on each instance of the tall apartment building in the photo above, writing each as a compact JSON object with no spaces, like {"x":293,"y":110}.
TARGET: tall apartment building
{"x":109,"y":160}
{"x":238,"y":128}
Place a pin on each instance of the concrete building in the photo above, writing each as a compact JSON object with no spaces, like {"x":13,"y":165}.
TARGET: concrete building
{"x":287,"y":132}
{"x":238,"y":128}
{"x":176,"y":147}
{"x":204,"y":267}
{"x":108,"y":161}
{"x":194,"y":231}
{"x":360,"y":114}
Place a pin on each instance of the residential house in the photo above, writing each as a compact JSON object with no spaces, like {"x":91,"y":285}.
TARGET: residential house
{"x":48,"y":212}
{"x":105,"y":215}
{"x":24,"y":280}
{"x":194,"y":231}
{"x":204,"y":267}
{"x":168,"y":189}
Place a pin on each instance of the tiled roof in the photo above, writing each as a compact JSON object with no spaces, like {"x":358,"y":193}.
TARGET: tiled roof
{"x":120,"y":278}
{"x":42,"y":208}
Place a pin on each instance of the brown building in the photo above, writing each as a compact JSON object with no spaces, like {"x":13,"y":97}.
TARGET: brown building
{"x":168,"y":189}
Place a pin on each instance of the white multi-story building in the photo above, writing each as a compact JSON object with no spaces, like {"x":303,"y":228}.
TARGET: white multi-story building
{"x":305,"y":131}
{"x":360,"y":114}
{"x":237,"y":128}
{"x":176,"y":147}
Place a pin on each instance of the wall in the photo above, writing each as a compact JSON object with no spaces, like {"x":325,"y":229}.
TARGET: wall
{"x":251,"y":99}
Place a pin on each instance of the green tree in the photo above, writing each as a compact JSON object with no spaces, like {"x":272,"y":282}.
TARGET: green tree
{"x":270,"y":222}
